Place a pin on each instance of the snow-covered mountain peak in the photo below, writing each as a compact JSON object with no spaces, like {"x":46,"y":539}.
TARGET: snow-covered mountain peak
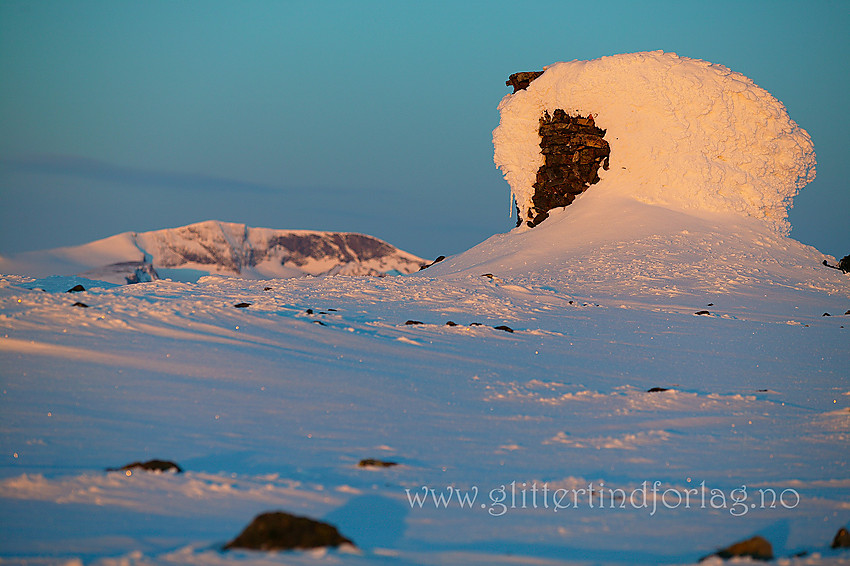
{"x":215,"y":247}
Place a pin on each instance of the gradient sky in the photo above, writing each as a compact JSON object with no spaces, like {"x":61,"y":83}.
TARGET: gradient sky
{"x":362,"y":116}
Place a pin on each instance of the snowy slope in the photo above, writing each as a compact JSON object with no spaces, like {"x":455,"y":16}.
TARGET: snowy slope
{"x":222,"y":248}
{"x":531,"y":414}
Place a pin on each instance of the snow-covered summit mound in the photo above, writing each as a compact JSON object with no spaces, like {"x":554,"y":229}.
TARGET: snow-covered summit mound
{"x":684,"y":133}
{"x":703,"y":166}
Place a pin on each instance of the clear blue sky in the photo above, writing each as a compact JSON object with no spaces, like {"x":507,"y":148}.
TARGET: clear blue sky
{"x":358,"y":116}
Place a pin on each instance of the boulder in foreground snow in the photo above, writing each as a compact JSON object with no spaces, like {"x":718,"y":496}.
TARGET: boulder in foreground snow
{"x":757,"y":548}
{"x":282,"y":531}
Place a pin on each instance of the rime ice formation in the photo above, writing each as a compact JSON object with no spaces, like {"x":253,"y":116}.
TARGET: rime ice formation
{"x":684,"y":134}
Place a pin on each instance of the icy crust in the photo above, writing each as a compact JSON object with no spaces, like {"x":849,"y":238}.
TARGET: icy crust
{"x":684,"y":133}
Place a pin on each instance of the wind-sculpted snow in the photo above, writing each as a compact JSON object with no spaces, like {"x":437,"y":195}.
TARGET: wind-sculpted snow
{"x":683,"y":133}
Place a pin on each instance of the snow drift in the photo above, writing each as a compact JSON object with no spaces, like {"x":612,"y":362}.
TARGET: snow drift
{"x":684,"y":133}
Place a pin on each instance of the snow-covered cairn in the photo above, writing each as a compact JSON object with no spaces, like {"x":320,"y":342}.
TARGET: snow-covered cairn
{"x":681,"y":133}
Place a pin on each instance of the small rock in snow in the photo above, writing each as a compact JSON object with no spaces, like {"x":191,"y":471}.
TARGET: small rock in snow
{"x":451,"y":323}
{"x":282,"y":531}
{"x":242,"y":305}
{"x":76,"y":289}
{"x":79,"y":304}
{"x":826,"y":314}
{"x":702,"y":313}
{"x":505,"y":328}
{"x":842,"y":539}
{"x":757,"y":548}
{"x":657,"y":389}
{"x":412,"y":322}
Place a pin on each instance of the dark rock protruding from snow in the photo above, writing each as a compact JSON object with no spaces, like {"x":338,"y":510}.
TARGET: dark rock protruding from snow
{"x":757,"y":548}
{"x":573,"y":149}
{"x":438,"y":260}
{"x":657,"y":389}
{"x":151,"y":466}
{"x":844,"y":264}
{"x":76,"y":289}
{"x":520,"y":81}
{"x":842,"y":539}
{"x":282,"y":531}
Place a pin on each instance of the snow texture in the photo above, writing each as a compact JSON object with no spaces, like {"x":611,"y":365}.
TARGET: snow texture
{"x":684,"y":133}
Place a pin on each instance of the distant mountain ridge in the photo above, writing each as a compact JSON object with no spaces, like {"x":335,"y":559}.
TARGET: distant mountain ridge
{"x":214,"y":247}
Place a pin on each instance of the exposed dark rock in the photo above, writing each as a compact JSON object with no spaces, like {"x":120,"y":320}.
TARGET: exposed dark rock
{"x":843,"y":264}
{"x":79,"y":304}
{"x":842,"y":539}
{"x":267,"y":288}
{"x":702,"y":313}
{"x":412,"y":322}
{"x":451,"y":323}
{"x":847,"y":311}
{"x":488,"y":275}
{"x":657,"y":389}
{"x":309,"y":311}
{"x":151,"y":466}
{"x":438,"y":260}
{"x":125,"y":272}
{"x":826,"y":314}
{"x":375,"y":463}
{"x":573,"y":149}
{"x":504,"y":328}
{"x":475,"y":324}
{"x":520,"y":81}
{"x":757,"y":548}
{"x":282,"y":531}
{"x":319,"y":322}
{"x":332,"y":310}
{"x":710,"y":305}
{"x":76,"y":289}
{"x":242,"y":305}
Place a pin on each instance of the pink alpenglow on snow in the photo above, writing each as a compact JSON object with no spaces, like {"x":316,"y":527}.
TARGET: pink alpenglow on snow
{"x":684,"y":134}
